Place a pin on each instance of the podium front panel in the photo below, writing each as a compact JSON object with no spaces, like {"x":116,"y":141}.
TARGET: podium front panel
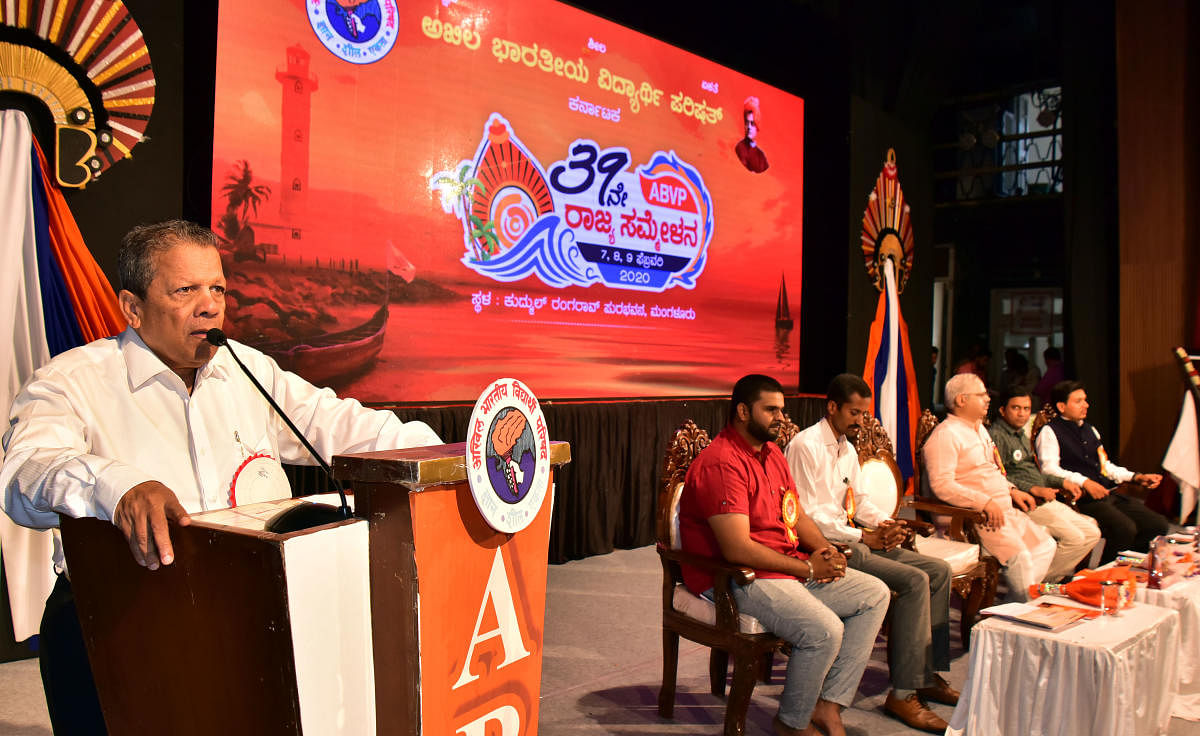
{"x":458,"y":608}
{"x":482,"y":603}
{"x":246,"y":632}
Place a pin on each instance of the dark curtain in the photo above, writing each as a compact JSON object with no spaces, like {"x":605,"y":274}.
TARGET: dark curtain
{"x":605,"y":497}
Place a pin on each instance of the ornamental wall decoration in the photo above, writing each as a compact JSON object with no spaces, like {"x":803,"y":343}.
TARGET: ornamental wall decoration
{"x":886,"y":231}
{"x":87,"y":61}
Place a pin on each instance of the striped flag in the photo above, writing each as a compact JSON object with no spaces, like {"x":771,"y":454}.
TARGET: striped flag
{"x":53,"y":297}
{"x":889,"y":373}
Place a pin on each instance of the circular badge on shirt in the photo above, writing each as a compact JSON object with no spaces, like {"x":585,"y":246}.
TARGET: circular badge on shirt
{"x":1017,"y":455}
{"x":259,"y":478}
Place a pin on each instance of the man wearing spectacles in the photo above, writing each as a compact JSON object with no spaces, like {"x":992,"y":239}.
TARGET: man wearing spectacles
{"x":963,"y":467}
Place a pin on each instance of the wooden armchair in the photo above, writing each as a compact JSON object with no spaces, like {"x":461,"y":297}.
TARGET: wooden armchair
{"x":1043,"y":417}
{"x":714,"y":624}
{"x":879,"y":475}
{"x":789,"y":430}
{"x":976,"y":573}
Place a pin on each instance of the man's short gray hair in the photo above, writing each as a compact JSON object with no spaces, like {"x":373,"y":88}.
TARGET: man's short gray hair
{"x":142,"y":245}
{"x":957,"y":386}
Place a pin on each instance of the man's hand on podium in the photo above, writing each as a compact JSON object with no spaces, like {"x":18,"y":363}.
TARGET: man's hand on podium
{"x":142,"y":515}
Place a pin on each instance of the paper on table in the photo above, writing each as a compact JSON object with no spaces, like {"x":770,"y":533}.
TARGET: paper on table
{"x":250,"y":517}
{"x":1008,"y":609}
{"x":254,"y":516}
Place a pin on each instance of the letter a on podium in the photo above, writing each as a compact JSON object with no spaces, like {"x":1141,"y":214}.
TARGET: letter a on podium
{"x":508,"y":628}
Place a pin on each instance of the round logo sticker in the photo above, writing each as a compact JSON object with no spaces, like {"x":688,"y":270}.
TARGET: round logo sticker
{"x":260,"y":477}
{"x":508,"y":455}
{"x":357,"y":31}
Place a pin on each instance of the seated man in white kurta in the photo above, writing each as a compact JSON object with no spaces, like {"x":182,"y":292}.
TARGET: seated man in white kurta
{"x":153,"y":424}
{"x":963,"y":468}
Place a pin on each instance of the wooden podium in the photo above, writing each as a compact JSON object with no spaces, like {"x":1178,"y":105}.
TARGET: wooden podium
{"x":413,"y":617}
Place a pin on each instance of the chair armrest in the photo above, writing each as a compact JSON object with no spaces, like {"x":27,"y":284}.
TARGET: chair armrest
{"x":725,"y":576}
{"x":924,"y":528}
{"x":932,"y":506}
{"x":962,"y":521}
{"x":717,"y":568}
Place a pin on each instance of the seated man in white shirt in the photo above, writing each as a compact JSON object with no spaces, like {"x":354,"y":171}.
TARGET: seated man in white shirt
{"x":153,"y":424}
{"x":963,"y":468}
{"x":825,"y":466}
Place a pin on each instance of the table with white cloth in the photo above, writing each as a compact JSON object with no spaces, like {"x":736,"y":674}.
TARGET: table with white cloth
{"x":1110,"y":676}
{"x":1182,"y":596}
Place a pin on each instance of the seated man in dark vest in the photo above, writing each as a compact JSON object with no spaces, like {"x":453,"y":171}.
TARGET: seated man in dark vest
{"x":1070,"y":448}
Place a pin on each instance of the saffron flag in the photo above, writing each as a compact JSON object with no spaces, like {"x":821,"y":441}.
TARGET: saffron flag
{"x":889,"y":373}
{"x":53,"y":297}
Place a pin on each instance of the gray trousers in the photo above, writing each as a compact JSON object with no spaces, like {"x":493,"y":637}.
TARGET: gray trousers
{"x":919,"y":642}
{"x":832,"y":628}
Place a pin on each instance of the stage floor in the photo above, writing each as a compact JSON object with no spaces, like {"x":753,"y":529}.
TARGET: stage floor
{"x":603,"y":666}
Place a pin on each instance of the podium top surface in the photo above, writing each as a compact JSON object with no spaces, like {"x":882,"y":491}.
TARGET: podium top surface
{"x":419,"y":466}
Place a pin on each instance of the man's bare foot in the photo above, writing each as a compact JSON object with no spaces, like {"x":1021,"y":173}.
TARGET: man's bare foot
{"x":827,"y":716}
{"x":782,"y":729}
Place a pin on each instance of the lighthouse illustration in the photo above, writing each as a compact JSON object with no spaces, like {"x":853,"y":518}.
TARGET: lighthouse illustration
{"x":296,"y":112}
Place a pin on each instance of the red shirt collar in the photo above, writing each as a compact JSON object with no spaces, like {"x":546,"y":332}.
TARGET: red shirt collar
{"x":739,"y":442}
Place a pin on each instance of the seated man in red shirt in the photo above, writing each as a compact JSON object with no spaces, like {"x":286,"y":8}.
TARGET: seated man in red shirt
{"x":739,"y":503}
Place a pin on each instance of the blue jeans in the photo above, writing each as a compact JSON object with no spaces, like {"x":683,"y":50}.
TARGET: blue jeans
{"x":832,"y":628}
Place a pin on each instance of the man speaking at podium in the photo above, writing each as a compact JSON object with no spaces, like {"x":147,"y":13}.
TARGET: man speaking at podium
{"x":153,"y":424}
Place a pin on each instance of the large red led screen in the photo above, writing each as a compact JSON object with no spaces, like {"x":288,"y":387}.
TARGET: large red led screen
{"x":418,"y":197}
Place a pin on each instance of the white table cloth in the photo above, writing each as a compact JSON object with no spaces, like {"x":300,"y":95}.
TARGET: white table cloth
{"x":1182,"y":596}
{"x":1112,"y":676}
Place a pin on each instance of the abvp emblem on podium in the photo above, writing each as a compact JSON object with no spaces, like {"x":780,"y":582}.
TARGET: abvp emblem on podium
{"x":481,"y":554}
{"x":508,"y":455}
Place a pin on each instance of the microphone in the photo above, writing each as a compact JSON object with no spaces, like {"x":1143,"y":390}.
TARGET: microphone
{"x":305,"y":515}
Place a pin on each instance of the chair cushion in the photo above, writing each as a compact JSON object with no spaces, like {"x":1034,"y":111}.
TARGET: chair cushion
{"x":705,"y":610}
{"x":962,"y":556}
{"x":879,"y":483}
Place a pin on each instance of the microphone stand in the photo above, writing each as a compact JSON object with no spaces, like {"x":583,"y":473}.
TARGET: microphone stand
{"x":217,"y":337}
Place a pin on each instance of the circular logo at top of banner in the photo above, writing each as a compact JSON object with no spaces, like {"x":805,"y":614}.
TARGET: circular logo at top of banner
{"x":357,"y":31}
{"x":508,"y":455}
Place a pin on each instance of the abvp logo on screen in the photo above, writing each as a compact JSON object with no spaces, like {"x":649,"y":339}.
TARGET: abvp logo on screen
{"x":588,"y":220}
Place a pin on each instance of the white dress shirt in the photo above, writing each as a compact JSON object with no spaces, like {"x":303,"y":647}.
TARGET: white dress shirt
{"x":824,"y":466}
{"x":102,"y":418}
{"x":1050,"y":458}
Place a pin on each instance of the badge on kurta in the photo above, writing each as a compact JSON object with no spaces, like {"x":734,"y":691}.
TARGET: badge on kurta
{"x":998,"y":461}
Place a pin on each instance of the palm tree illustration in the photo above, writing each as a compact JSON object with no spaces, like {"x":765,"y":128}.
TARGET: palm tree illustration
{"x":459,"y":189}
{"x":242,"y":197}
